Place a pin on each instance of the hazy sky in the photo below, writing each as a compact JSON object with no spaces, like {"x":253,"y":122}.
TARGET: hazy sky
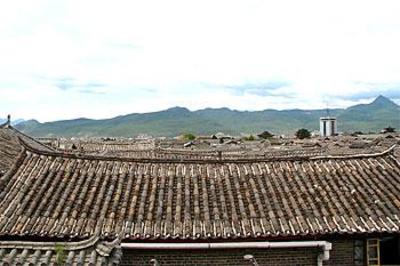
{"x":67,"y":59}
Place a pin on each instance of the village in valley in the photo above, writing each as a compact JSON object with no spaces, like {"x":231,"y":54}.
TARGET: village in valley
{"x":321,"y":198}
{"x":327,"y":141}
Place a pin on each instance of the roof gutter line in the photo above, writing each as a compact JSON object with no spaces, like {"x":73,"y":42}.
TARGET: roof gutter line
{"x":324,"y":256}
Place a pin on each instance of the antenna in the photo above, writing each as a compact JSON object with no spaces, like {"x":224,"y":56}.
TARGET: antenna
{"x":327,"y":109}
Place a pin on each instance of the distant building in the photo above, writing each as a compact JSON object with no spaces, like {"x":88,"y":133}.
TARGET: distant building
{"x":327,"y":126}
{"x":388,"y":130}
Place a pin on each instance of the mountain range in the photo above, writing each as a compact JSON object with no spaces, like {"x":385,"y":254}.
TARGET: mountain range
{"x":13,"y":122}
{"x":372,"y":117}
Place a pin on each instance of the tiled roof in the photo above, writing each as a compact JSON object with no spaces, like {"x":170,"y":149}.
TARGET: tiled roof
{"x":9,"y":150}
{"x":64,"y":195}
{"x":10,"y":146}
{"x":28,"y":140}
{"x":87,"y":252}
{"x":118,"y":150}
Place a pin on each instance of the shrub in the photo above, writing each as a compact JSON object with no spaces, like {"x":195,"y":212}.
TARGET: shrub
{"x":188,"y":136}
{"x":249,"y":138}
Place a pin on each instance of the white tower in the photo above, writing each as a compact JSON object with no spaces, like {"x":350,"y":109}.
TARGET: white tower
{"x":327,"y":126}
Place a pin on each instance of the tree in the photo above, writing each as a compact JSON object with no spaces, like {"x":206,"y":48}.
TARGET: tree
{"x":303,"y":133}
{"x":249,"y":138}
{"x":188,"y":136}
{"x":265,"y":135}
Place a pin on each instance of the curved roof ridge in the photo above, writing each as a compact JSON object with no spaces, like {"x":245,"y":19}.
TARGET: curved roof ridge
{"x":355,"y":156}
{"x":197,"y":160}
{"x":51,"y":245}
{"x":152,"y":159}
{"x":29,"y":137}
{"x":4,"y":125}
{"x":7,"y":123}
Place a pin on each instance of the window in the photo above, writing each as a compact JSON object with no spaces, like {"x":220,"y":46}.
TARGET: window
{"x":373,"y":254}
{"x":359,"y":252}
{"x":383,"y":251}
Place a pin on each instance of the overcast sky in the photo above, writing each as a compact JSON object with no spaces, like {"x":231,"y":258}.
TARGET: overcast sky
{"x":97,"y":59}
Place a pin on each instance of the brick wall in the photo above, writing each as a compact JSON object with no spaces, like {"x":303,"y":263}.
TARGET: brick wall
{"x":341,"y":254}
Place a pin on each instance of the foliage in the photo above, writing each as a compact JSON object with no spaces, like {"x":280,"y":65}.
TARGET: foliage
{"x":188,"y":136}
{"x":61,"y":256}
{"x":303,"y":133}
{"x":265,"y":135}
{"x":249,"y":138}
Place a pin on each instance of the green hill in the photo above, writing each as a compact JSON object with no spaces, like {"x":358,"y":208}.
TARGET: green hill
{"x":381,"y":113}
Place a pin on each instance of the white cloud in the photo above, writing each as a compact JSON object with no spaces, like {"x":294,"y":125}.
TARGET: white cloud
{"x":151,"y":55}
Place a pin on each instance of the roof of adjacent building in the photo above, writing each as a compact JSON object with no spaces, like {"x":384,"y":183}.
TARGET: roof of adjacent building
{"x":88,"y":252}
{"x":50,"y":194}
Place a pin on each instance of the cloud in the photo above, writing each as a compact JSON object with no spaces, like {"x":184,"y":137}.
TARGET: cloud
{"x":87,"y":91}
{"x":259,"y":55}
{"x":373,"y":89}
{"x":269,"y":88}
{"x":256,"y":88}
{"x":64,"y":83}
{"x":68,"y":84}
{"x":125,"y":45}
